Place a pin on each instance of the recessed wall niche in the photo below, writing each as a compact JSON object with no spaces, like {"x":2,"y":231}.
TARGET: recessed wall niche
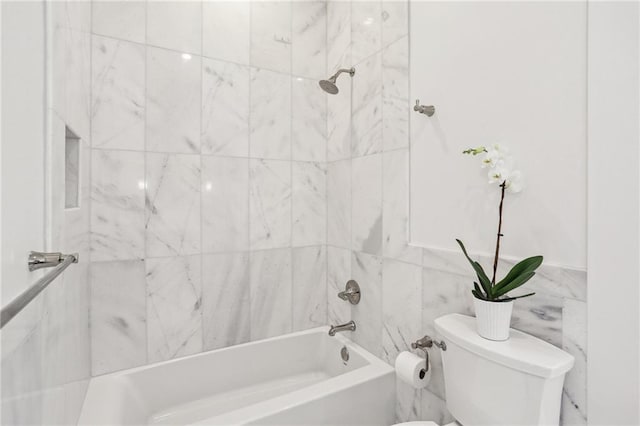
{"x":71,"y":169}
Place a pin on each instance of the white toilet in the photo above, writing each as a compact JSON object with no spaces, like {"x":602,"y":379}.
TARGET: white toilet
{"x":516,"y":382}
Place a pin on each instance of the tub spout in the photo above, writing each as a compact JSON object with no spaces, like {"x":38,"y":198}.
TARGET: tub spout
{"x":350,"y":326}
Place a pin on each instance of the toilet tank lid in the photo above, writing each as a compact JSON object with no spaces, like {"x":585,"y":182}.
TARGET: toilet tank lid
{"x":521,"y":352}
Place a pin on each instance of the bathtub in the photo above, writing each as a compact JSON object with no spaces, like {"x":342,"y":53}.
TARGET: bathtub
{"x":295,"y":379}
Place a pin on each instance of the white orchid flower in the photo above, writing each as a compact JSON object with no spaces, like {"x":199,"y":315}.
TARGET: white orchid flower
{"x":513,"y":183}
{"x":498,"y":174}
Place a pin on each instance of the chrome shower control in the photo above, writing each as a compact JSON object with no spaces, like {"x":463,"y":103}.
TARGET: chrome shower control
{"x":427,"y":110}
{"x":351,"y":292}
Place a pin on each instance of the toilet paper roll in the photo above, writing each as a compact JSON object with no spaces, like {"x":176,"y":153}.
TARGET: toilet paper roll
{"x":410,"y":369}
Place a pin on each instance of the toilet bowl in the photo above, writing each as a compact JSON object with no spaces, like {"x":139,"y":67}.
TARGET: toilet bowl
{"x":476,"y":369}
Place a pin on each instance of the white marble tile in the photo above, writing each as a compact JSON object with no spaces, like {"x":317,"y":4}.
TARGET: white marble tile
{"x":226,"y":303}
{"x":395,"y":208}
{"x":117,"y":205}
{"x":309,"y":39}
{"x":366,"y":37}
{"x":574,"y":341}
{"x":125,"y":20}
{"x":78,"y":15}
{"x":338,"y":35}
{"x":76,"y":336}
{"x":338,"y":273}
{"x":270,"y":277}
{"x":395,"y":95}
{"x":366,"y":118}
{"x":408,"y":403}
{"x":172,"y":204}
{"x":271,"y":35}
{"x":225,"y":108}
{"x":173,"y":101}
{"x":175,"y":25}
{"x":443,"y":292}
{"x":395,"y":20}
{"x":269,"y":204}
{"x":367,"y":271}
{"x":401,"y":307}
{"x":270,"y":135}
{"x":118,"y":316}
{"x":308,"y":120}
{"x":339,"y":203}
{"x":78,"y":83}
{"x":540,"y":316}
{"x":366,"y":204}
{"x":309,"y":208}
{"x":225,"y":204}
{"x":434,"y":408}
{"x":339,"y":122}
{"x":309,"y":289}
{"x":174,"y":314}
{"x":226,"y":30}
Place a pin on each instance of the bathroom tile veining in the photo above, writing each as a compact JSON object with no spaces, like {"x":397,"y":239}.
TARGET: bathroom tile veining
{"x":232,"y":199}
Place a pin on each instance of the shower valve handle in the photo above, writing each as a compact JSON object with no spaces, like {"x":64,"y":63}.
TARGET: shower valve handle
{"x":427,"y":110}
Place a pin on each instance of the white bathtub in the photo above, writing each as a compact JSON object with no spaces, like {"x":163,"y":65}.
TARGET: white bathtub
{"x":295,"y":379}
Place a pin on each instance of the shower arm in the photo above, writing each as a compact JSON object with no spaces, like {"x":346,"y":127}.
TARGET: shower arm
{"x":351,"y":72}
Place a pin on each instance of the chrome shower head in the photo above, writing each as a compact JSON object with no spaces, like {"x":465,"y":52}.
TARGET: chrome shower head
{"x":329,"y":85}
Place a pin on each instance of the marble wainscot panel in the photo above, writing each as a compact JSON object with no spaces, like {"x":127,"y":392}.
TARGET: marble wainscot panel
{"x":367,"y":271}
{"x":309,"y":120}
{"x":270,"y":277}
{"x":174,"y":300}
{"x":309,"y":39}
{"x":172,"y":204}
{"x":117,"y":205}
{"x":309,"y":292}
{"x":366,"y":204}
{"x":117,"y":115}
{"x":226,"y":303}
{"x":366,"y":29}
{"x":309,"y":204}
{"x":269,"y":204}
{"x":270,"y":134}
{"x":175,"y":25}
{"x":366,"y":118}
{"x":271,"y":35}
{"x":225,"y":204}
{"x":173,"y":101}
{"x":124,"y":20}
{"x":226,"y":30}
{"x":118,"y":316}
{"x":225,"y":108}
{"x":339,"y":203}
{"x":338,"y":273}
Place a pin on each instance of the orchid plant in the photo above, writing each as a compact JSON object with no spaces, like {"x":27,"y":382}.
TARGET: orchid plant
{"x":500,"y":172}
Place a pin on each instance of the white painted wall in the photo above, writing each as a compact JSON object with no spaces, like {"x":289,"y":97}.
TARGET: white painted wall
{"x":614,"y":214}
{"x":23,"y":141}
{"x":507,"y":72}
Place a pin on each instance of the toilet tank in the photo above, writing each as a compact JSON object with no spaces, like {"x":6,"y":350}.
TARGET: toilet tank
{"x":515,"y":382}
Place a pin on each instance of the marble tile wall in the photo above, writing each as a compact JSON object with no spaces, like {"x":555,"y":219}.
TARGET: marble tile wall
{"x":208,"y":187}
{"x":46,"y":349}
{"x":405,"y":288}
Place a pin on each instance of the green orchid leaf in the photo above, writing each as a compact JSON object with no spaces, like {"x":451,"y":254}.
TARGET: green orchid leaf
{"x":509,"y":299}
{"x":527,"y":265}
{"x":517,"y":282}
{"x":476,"y":286}
{"x":478,"y":295}
{"x":482,"y":276}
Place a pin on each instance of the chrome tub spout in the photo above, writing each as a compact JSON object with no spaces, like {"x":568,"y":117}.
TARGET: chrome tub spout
{"x":350,"y":326}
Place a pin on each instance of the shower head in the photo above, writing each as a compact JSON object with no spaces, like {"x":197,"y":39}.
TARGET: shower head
{"x":329,"y":85}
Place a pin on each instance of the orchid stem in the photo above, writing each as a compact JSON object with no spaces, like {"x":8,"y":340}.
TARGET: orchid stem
{"x":495,"y":260}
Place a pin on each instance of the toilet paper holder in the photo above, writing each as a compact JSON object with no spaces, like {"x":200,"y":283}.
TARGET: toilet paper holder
{"x":428,"y":342}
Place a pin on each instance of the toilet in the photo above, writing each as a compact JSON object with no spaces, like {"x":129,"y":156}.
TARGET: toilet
{"x":515,"y":382}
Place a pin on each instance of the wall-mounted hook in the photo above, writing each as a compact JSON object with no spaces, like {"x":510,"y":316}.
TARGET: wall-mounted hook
{"x":428,"y":110}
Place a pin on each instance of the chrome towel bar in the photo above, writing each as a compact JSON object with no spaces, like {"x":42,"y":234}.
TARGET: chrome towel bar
{"x":37,"y":261}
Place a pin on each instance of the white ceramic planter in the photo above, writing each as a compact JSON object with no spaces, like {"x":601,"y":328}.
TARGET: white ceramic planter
{"x":493,"y":319}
